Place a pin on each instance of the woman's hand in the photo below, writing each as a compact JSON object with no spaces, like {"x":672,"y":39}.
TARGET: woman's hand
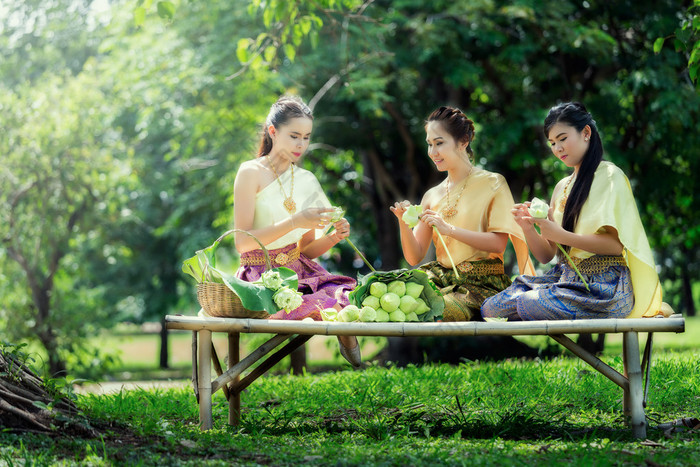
{"x":342,"y":229}
{"x":312,"y":218}
{"x":433,"y":219}
{"x":399,"y":208}
{"x":522,"y":215}
{"x":549,"y":229}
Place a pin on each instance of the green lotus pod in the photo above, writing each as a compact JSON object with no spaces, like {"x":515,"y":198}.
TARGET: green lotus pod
{"x":408,"y":304}
{"x":390,"y":301}
{"x":414,"y":289}
{"x":382,"y":316}
{"x":397,"y":316}
{"x":372,"y":301}
{"x":368,"y":314}
{"x":377,"y":289}
{"x":349,"y":313}
{"x":329,"y":314}
{"x":412,"y":317}
{"x":421,"y":307}
{"x":397,"y":287}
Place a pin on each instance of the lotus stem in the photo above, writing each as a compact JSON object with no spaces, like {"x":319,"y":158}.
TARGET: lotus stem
{"x":360,"y":253}
{"x":574,"y":266}
{"x":442,"y":240}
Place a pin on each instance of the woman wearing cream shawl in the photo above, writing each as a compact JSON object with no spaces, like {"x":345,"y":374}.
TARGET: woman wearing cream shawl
{"x":593,"y":215}
{"x":471,"y":210}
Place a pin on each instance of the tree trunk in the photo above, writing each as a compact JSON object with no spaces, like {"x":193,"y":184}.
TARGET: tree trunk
{"x":164,"y":356}
{"x":688,"y":302}
{"x":298,"y":360}
{"x":594,"y":346}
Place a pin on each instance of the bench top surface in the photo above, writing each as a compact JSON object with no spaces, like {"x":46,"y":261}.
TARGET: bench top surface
{"x":675,"y":323}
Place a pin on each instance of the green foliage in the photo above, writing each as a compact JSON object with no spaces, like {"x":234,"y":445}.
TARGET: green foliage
{"x":686,"y":40}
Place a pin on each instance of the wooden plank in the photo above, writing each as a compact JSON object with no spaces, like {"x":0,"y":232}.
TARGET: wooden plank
{"x":247,"y":362}
{"x":271,"y":361}
{"x":470,"y":328}
{"x":234,"y":402}
{"x":633,"y":404}
{"x":592,"y":360}
{"x":204,"y":380}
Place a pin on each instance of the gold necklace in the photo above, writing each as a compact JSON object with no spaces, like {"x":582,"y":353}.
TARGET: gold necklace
{"x":289,"y":204}
{"x":448,"y":211}
{"x":565,"y":196}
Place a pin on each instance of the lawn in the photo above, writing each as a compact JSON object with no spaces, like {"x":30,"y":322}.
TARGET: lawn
{"x":514,"y":412}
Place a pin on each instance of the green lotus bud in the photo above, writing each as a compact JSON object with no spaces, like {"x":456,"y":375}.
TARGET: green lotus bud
{"x":329,"y":314}
{"x":372,"y":301}
{"x":382,"y":316}
{"x":414,"y":289}
{"x":397,"y":316}
{"x":390,"y":301}
{"x":349,"y":313}
{"x":368,"y":314}
{"x":410,"y":217}
{"x":412,"y":317}
{"x":421,"y":307}
{"x":408,"y":304}
{"x":538,"y":209}
{"x":377,"y":289}
{"x":397,"y":287}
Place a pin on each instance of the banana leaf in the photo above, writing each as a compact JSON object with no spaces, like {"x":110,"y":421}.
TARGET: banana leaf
{"x":430,"y":294}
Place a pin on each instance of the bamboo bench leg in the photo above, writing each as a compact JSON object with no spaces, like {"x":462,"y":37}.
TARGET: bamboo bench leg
{"x":633,"y":403}
{"x":204,"y":380}
{"x":234,"y":400}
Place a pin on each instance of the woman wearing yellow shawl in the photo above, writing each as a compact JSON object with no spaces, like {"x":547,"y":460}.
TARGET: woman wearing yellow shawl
{"x":594,"y":218}
{"x":471,"y":210}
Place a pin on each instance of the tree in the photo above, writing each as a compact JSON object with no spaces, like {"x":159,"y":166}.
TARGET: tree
{"x":57,"y":175}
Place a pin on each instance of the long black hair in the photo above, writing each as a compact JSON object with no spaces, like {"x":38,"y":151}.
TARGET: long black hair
{"x":285,"y":109}
{"x":575,"y":114}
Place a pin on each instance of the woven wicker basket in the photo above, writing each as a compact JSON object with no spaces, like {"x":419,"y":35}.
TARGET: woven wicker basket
{"x":218,"y":300}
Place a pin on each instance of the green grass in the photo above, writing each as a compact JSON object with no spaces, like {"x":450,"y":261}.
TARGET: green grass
{"x":554,"y":412}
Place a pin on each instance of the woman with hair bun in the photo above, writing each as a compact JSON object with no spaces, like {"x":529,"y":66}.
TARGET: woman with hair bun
{"x":471,"y":209}
{"x":593,"y":216}
{"x":285,"y":208}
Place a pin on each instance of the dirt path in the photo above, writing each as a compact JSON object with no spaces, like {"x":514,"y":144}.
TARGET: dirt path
{"x":111,"y":387}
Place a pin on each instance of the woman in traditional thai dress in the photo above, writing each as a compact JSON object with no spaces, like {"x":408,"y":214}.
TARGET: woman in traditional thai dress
{"x":593,"y":216}
{"x":471,"y":209}
{"x":285,"y":208}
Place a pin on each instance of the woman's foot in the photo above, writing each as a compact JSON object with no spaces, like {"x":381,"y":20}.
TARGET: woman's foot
{"x":350,"y":350}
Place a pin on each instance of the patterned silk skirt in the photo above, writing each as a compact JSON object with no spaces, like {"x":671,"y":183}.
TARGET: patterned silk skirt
{"x":321,"y":289}
{"x":560,"y":293}
{"x":477,"y":281}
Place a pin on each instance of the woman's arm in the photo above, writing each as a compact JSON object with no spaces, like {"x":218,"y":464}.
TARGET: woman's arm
{"x":606,"y":243}
{"x":485,"y":241}
{"x":313,"y":247}
{"x":414,"y":242}
{"x":245,"y":189}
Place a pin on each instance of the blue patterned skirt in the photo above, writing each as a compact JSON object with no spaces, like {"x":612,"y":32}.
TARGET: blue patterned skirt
{"x":560,"y":294}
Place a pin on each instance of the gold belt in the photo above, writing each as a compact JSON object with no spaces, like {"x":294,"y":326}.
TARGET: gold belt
{"x":597,"y":264}
{"x":280,"y":259}
{"x":477,"y":268}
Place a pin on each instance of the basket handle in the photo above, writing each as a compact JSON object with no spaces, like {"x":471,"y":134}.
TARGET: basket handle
{"x":268,"y":265}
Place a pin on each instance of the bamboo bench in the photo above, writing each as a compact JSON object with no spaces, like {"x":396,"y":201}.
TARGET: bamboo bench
{"x":298,"y":332}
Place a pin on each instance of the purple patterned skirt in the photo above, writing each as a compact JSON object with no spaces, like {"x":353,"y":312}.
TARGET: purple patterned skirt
{"x":321,"y":289}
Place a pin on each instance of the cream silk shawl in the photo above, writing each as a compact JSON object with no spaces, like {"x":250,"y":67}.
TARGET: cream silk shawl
{"x":269,"y":207}
{"x":485,"y":206}
{"x":611,"y":203}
